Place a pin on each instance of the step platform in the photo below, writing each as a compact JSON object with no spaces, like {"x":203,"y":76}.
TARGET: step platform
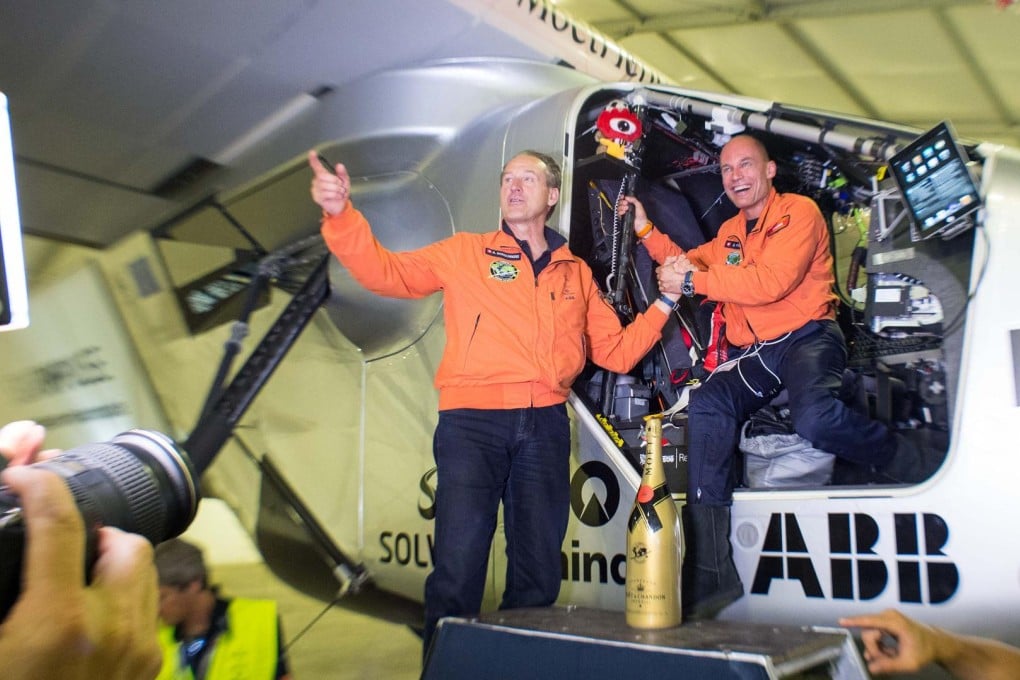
{"x":565,"y":642}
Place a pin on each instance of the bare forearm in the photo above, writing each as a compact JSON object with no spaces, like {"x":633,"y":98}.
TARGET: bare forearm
{"x":971,"y":658}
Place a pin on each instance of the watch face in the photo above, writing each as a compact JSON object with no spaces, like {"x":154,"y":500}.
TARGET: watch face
{"x":687,"y":287}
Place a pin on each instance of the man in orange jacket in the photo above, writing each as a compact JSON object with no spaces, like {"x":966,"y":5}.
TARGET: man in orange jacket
{"x":770,"y":268}
{"x":522,"y":315}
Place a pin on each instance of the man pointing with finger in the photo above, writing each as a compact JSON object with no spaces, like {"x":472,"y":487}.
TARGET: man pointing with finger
{"x":522,"y":315}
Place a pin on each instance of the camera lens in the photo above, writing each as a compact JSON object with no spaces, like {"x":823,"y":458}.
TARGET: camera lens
{"x":138,"y":481}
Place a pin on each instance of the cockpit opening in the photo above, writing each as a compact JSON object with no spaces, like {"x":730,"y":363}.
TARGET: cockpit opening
{"x":901,"y":298}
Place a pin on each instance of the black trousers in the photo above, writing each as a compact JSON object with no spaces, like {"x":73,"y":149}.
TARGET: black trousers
{"x":809,"y":363}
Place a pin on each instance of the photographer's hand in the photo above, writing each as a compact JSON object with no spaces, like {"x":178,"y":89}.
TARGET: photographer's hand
{"x":20,"y":442}
{"x":61,"y":628}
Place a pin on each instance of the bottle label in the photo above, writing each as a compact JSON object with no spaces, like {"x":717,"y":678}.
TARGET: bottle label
{"x":646,"y":508}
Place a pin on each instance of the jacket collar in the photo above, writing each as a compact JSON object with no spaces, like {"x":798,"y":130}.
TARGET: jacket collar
{"x":764,"y":212}
{"x":553,"y":239}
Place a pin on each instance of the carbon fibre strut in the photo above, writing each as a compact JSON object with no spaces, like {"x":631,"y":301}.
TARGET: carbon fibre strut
{"x":225,"y":406}
{"x":224,"y":410}
{"x":620,"y":275}
{"x":623,"y":244}
{"x":626,"y":294}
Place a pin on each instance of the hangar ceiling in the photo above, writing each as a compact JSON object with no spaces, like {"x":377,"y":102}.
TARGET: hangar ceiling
{"x":913,"y":62}
{"x":125,"y":113}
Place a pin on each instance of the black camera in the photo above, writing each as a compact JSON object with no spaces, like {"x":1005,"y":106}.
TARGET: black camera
{"x":139,"y":481}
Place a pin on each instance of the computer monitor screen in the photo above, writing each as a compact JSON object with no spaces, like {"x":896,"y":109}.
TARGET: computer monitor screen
{"x":13,"y":289}
{"x":938,"y":190}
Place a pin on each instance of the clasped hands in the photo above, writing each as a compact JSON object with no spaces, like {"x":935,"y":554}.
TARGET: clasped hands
{"x":670,"y":274}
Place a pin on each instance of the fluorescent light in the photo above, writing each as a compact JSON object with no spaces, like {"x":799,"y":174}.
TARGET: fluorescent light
{"x":13,"y":288}
{"x":266,"y":128}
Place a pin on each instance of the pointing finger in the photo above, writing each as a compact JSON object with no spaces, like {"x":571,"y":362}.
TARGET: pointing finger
{"x":317,"y":167}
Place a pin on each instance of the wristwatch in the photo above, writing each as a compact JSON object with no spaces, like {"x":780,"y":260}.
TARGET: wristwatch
{"x":687,"y":287}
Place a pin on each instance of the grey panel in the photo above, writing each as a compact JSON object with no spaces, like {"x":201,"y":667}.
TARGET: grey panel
{"x":1014,"y":337}
{"x":406,"y":212}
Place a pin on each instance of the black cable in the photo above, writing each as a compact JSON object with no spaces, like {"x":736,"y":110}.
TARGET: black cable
{"x":308,"y":627}
{"x":951,"y":327}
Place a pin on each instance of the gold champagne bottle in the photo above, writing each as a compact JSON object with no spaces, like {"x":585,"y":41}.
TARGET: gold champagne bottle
{"x":654,"y":543}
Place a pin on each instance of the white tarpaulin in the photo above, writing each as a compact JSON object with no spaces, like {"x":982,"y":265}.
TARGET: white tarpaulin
{"x":74,"y":369}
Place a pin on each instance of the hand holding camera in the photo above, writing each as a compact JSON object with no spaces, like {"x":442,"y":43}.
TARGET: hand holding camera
{"x":78,"y":596}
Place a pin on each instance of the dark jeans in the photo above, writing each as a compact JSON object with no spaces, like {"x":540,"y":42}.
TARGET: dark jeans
{"x":520,"y":457}
{"x":809,"y":363}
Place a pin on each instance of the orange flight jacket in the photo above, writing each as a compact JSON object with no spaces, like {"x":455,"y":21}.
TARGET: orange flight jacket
{"x":511,"y":341}
{"x":771,"y":281}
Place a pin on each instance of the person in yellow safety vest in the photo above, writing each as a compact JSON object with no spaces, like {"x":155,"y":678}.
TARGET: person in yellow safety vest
{"x":206,"y":637}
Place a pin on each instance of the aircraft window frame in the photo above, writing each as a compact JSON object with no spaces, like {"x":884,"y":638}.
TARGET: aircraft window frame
{"x":886,"y":348}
